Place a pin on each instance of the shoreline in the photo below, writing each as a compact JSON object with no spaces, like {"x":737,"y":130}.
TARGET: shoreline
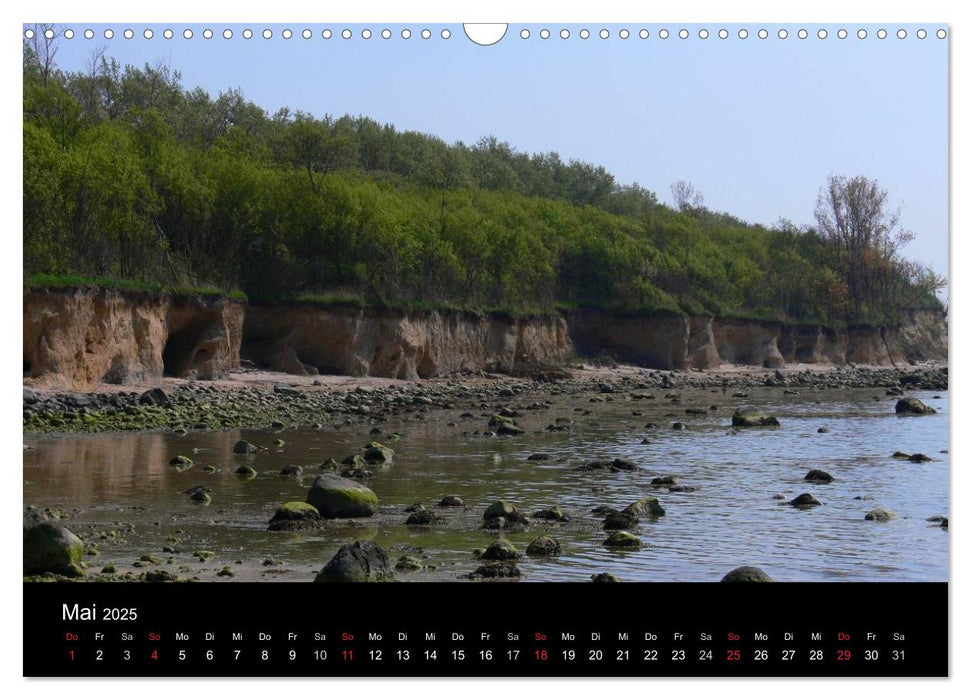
{"x":257,"y":399}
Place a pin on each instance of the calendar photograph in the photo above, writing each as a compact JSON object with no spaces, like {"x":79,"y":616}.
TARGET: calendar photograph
{"x":529,"y":304}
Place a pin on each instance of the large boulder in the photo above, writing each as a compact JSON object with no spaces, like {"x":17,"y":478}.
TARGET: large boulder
{"x":336,"y":497}
{"x":363,"y":561}
{"x":50,"y":548}
{"x":913,"y":407}
{"x":746,"y":574}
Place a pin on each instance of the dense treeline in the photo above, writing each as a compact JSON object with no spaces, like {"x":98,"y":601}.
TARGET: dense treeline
{"x":128,"y":174}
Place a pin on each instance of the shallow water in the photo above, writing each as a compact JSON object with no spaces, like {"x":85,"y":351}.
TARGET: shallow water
{"x":123,"y":482}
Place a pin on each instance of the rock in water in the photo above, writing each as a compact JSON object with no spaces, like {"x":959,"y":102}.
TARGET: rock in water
{"x":620,"y":521}
{"x":295,"y":515}
{"x":818,"y":476}
{"x":181,"y":462}
{"x":50,"y":548}
{"x":500,"y":550}
{"x":451,"y":502}
{"x":647,"y":507}
{"x":376,"y":453}
{"x":356,"y":563}
{"x":746,"y":574}
{"x":604,"y":578}
{"x":880,"y":515}
{"x":246,"y":472}
{"x":243,"y":448}
{"x":543,"y":547}
{"x":200,"y":494}
{"x":337,"y":497}
{"x":497,"y":569}
{"x":751,"y":419}
{"x":408,"y":562}
{"x":554,"y":513}
{"x":913,"y":407}
{"x":420,"y":516}
{"x":804,"y":500}
{"x":499,"y":509}
{"x":621,"y":539}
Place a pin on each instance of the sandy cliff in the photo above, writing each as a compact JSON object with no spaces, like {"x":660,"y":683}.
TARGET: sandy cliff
{"x":80,"y":337}
{"x":679,"y":341}
{"x":399,"y":344}
{"x":76,"y":338}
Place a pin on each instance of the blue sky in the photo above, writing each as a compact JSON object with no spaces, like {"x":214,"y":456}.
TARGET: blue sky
{"x":756,"y":125}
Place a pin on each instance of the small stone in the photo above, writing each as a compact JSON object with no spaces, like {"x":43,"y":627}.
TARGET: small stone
{"x":880,"y":515}
{"x":620,"y":521}
{"x":500,"y":550}
{"x":180,"y":461}
{"x":543,"y":547}
{"x":554,"y":513}
{"x":818,"y":476}
{"x":227,"y":571}
{"x":919,"y":457}
{"x":408,"y":562}
{"x":451,"y":502}
{"x":421,"y":516}
{"x":539,"y":457}
{"x":804,"y":500}
{"x":499,"y":509}
{"x":604,"y":578}
{"x":751,"y":419}
{"x":243,"y":447}
{"x":647,"y":507}
{"x":376,"y":453}
{"x":497,"y":569}
{"x":246,"y":472}
{"x":292,"y":470}
{"x":621,"y":539}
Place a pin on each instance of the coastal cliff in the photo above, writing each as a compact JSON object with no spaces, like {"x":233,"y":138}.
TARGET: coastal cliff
{"x":80,"y":337}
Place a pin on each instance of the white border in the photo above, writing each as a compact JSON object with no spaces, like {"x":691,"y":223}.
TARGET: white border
{"x":709,"y":11}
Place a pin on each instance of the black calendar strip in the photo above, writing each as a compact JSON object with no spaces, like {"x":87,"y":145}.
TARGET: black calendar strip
{"x":631,"y":629}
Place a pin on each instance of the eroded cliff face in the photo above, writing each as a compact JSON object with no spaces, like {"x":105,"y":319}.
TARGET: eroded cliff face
{"x":84,"y":336}
{"x":398,"y":344}
{"x":680,"y":341}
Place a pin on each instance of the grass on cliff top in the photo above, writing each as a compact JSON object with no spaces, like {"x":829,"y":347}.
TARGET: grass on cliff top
{"x":42,"y":281}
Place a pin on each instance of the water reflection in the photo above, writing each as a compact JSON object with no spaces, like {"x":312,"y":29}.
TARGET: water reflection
{"x":733,"y":517}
